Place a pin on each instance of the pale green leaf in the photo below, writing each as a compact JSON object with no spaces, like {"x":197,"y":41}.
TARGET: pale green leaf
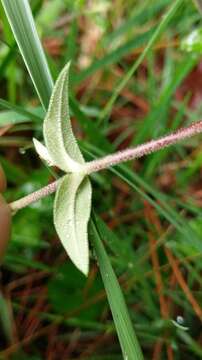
{"x":58,"y":134}
{"x":42,"y":151}
{"x":71,"y":215}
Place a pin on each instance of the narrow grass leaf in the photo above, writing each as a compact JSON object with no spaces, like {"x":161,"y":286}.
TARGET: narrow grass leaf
{"x":71,"y":215}
{"x":114,"y":56}
{"x":128,"y":341}
{"x":161,"y":27}
{"x":149,"y":9}
{"x":23,"y":27}
{"x":35,"y":114}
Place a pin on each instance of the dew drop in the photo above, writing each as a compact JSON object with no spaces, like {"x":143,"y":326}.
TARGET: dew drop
{"x":22,"y":151}
{"x":180,"y":320}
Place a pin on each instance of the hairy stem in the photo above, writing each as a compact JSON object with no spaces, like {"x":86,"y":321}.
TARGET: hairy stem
{"x":144,"y":149}
{"x":33,"y":197}
{"x":114,"y":159}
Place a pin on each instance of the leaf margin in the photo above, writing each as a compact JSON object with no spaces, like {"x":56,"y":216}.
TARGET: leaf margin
{"x":57,"y":129}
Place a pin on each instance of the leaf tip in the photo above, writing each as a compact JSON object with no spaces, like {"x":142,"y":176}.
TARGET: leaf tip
{"x":42,"y":151}
{"x":84,"y":269}
{"x":66,"y":69}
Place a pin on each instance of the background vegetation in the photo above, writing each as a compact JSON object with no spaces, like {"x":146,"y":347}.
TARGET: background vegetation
{"x":150,"y":209}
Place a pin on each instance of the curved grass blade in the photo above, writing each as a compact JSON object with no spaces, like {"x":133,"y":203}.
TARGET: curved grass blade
{"x":23,"y":27}
{"x":71,"y":219}
{"x":57,"y":130}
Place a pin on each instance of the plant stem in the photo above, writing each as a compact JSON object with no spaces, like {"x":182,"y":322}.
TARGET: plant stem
{"x":35,"y":196}
{"x":114,"y":159}
{"x":144,"y":149}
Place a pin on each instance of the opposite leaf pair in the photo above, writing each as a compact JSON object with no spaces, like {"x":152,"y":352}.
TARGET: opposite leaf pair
{"x":72,"y":204}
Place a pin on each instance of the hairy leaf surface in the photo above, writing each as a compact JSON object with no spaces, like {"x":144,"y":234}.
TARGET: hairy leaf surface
{"x":71,"y":215}
{"x":58,"y":134}
{"x":42,"y":152}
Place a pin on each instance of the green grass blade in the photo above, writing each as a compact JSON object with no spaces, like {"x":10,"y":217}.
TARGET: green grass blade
{"x":165,"y":20}
{"x":128,"y":341}
{"x":19,"y":110}
{"x":23,"y":27}
{"x":156,"y":121}
{"x":114,"y":56}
